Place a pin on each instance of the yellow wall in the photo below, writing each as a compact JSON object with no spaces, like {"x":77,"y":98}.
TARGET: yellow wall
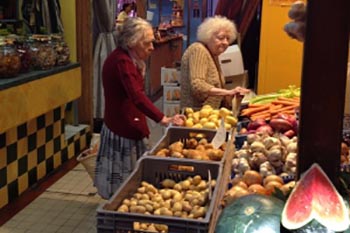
{"x":280,"y":60}
{"x":69,"y":25}
{"x":23,"y":102}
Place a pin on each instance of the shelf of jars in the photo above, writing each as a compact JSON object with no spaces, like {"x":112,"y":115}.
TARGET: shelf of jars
{"x":21,"y":55}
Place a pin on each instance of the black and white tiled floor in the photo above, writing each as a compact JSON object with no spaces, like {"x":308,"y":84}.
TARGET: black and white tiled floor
{"x":67,"y":206}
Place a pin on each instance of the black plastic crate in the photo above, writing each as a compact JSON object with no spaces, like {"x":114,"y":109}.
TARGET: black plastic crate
{"x":174,"y":134}
{"x":153,"y":170}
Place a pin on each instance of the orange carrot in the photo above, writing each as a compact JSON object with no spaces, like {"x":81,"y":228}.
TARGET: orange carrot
{"x":254,"y":105}
{"x":275,"y":106}
{"x":250,"y":111}
{"x":286,"y":108}
{"x":287,"y":99}
{"x":267,"y":111}
{"x":283,"y":102}
{"x":262,"y":116}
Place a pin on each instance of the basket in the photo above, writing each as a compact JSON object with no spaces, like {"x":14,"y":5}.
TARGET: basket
{"x":174,"y":134}
{"x":88,"y":160}
{"x":153,"y":170}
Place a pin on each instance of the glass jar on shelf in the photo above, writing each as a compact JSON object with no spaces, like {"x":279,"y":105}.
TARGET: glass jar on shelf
{"x":23,"y":49}
{"x":62,"y":50}
{"x":42,"y":52}
{"x":10,"y":62}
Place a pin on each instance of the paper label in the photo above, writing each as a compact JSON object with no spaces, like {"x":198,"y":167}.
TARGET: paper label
{"x":220,"y":136}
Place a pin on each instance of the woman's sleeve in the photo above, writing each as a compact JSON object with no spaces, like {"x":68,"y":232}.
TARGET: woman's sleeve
{"x":198,"y":67}
{"x":132,"y":82}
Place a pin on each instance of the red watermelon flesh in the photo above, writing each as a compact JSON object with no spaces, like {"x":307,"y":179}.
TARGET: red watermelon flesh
{"x":315,"y":197}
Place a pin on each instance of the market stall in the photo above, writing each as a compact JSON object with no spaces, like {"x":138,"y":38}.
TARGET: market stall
{"x":316,"y":153}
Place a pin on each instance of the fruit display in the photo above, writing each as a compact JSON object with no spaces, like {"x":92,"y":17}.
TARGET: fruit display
{"x":315,"y":205}
{"x":193,"y":148}
{"x":209,"y":118}
{"x":252,"y":213}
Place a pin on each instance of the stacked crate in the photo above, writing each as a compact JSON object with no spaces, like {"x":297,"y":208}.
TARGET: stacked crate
{"x":170,"y":80}
{"x":153,"y":170}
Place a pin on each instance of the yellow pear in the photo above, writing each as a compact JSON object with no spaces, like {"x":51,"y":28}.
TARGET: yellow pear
{"x":223,"y":112}
{"x":231,"y":120}
{"x":215,"y":112}
{"x":197,"y":126}
{"x":207,"y":106}
{"x":188,"y":111}
{"x":228,"y":126}
{"x":204,"y":112}
{"x":189,"y":122}
{"x":209,"y":125}
{"x":213,"y":117}
{"x":196,"y":117}
{"x":204,"y":120}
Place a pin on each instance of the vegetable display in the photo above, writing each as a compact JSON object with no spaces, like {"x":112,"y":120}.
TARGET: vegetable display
{"x":268,"y":111}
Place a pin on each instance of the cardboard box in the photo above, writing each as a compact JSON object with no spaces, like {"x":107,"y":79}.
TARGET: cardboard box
{"x":171,"y":94}
{"x":231,"y":61}
{"x":237,"y":80}
{"x":170,"y":76}
{"x":170,"y":109}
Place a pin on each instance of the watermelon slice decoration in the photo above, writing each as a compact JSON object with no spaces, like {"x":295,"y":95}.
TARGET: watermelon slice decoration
{"x":315,"y":198}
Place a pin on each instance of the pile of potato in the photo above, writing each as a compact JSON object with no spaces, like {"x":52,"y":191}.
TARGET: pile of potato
{"x":209,"y":118}
{"x":188,"y":198}
{"x":193,"y":149}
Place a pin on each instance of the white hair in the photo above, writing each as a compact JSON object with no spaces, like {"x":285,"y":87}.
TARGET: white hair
{"x":132,"y":31}
{"x":212,"y":25}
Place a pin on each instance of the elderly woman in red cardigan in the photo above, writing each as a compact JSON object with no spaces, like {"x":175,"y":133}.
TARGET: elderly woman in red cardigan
{"x":126,"y":107}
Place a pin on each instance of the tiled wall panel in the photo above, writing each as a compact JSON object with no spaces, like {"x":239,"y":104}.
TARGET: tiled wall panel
{"x":32,"y":150}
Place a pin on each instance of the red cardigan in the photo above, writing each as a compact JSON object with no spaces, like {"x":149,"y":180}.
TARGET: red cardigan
{"x":126,"y":104}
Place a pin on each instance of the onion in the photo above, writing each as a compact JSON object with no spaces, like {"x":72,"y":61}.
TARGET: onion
{"x":256,"y":124}
{"x":281,"y":125}
{"x":265,"y":129}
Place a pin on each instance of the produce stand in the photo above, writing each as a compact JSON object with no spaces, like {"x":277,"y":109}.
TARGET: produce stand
{"x":321,"y":115}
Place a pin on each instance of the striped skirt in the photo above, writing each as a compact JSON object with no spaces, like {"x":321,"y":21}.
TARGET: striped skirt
{"x":115,"y":160}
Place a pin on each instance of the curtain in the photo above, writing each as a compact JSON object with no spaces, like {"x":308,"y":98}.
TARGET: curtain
{"x":241,"y":12}
{"x":104,"y":21}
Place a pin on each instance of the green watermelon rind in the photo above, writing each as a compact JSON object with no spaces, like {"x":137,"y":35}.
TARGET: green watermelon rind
{"x":338,"y":226}
{"x":265,"y":214}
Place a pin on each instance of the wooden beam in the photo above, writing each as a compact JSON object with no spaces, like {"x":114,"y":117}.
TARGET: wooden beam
{"x":85,"y":58}
{"x":323,"y":85}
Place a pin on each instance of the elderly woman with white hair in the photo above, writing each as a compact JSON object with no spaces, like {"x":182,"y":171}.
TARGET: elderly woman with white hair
{"x":126,"y":107}
{"x":202,"y":81}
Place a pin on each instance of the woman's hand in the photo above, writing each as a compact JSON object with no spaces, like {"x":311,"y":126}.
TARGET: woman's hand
{"x":241,"y":91}
{"x":166,"y":121}
{"x":179,"y":119}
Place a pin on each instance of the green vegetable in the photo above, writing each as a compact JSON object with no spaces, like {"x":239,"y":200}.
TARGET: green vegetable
{"x":263,"y":99}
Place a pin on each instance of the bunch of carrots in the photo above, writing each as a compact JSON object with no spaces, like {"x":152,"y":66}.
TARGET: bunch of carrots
{"x":269,"y":110}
